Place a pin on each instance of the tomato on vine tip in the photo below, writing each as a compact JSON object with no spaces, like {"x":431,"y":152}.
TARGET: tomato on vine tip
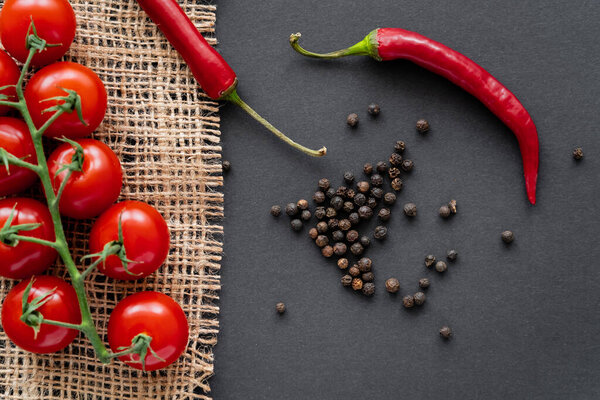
{"x":16,"y":140}
{"x":9,"y":75}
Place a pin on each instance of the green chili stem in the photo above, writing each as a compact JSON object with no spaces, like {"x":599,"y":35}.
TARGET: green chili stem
{"x":362,"y":48}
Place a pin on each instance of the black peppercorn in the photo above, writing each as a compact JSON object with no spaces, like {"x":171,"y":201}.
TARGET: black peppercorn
{"x":422,"y":126}
{"x":348,"y":206}
{"x":365,"y":241}
{"x":341,"y":191}
{"x":319,"y":197}
{"x":452,"y":255}
{"x":322,"y":227}
{"x":330,"y":212}
{"x":365,"y":212}
{"x":324,"y":184}
{"x":296,"y":224}
{"x":395,"y":159}
{"x":429,"y":260}
{"x":360,"y":199}
{"x":445,"y":332}
{"x":371,"y":203}
{"x":357,"y":284}
{"x":408,"y":301}
{"x":340,"y":248}
{"x":374,"y":109}
{"x":354,"y":271}
{"x":344,"y":224}
{"x":365,"y":264}
{"x":280,"y":307}
{"x":337,"y":236}
{"x":313,"y":233}
{"x":445,"y":211}
{"x":302,"y":204}
{"x":377,"y":192}
{"x":276,"y":211}
{"x":394,"y":173}
{"x":368,"y":169}
{"x":508,"y":237}
{"x":397,"y":184}
{"x":327,"y":251}
{"x":452,"y":206}
{"x":357,"y":249}
{"x":389,"y":198}
{"x":305,"y":215}
{"x":330,"y":193}
{"x":384,"y":214}
{"x":407,"y":165}
{"x":399,"y":146}
{"x":423,"y":283}
{"x":376,"y":180}
{"x":291,"y":209}
{"x":441,"y":266}
{"x":410,"y":209}
{"x":368,"y":277}
{"x":333,"y":224}
{"x":368,"y":289}
{"x":419,"y":298}
{"x":392,"y":285}
{"x":320,"y":213}
{"x":352,"y":120}
{"x":342,"y":263}
{"x":337,"y":203}
{"x":226,"y":165}
{"x":382,"y":167}
{"x":352,"y":236}
{"x":348,"y":177}
{"x":578,"y":153}
{"x":322,"y":241}
{"x":363,"y":187}
{"x":346,"y":280}
{"x":350,"y":193}
{"x":354,"y":218}
{"x":380,"y":232}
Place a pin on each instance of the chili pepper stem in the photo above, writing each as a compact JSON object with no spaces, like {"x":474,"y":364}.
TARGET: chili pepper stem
{"x":366,"y":47}
{"x":234,"y":98}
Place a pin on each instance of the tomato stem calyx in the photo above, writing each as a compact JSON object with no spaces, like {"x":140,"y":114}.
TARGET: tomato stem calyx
{"x":33,"y":41}
{"x":71,"y":102}
{"x":140,"y":344}
{"x":9,"y":233}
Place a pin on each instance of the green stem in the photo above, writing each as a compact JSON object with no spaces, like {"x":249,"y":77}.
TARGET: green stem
{"x":16,"y":161}
{"x":235,"y":99}
{"x":366,"y":47}
{"x":13,"y":104}
{"x":61,"y":189}
{"x":78,"y":327}
{"x":35,"y":240}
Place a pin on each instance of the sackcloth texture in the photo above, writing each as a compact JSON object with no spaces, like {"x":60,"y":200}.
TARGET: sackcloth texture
{"x":165,"y":131}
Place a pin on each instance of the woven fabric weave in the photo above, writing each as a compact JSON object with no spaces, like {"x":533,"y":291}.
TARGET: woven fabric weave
{"x":166,"y":133}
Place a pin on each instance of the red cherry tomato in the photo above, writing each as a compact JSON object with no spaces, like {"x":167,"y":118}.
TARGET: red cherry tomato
{"x":9,"y":75}
{"x":15,"y":139}
{"x":62,"y":306}
{"x":54,"y":22}
{"x":156,"y":315}
{"x":50,"y":82}
{"x":95,"y":188}
{"x":145,"y":237}
{"x":26,"y":259}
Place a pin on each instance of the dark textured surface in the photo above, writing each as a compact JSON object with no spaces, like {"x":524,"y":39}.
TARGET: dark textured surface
{"x":524,"y":317}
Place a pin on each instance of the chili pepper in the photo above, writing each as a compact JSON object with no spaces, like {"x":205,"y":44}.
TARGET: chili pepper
{"x":215,"y":76}
{"x":394,"y":43}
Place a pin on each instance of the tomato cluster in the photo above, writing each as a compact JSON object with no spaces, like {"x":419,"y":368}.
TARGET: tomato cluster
{"x":129,"y":240}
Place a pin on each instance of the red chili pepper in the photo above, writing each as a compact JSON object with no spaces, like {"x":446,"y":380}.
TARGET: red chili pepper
{"x":393,"y":43}
{"x":212,"y":72}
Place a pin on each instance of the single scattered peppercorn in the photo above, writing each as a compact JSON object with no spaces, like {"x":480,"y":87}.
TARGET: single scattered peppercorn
{"x":445,"y":211}
{"x":276,"y":211}
{"x":578,"y":153}
{"x":423,"y":283}
{"x":395,"y":159}
{"x":280,"y":307}
{"x":377,"y":192}
{"x":330,"y":212}
{"x":330,"y":192}
{"x":360,"y":199}
{"x":363,"y":187}
{"x":407,"y":165}
{"x":348,"y":206}
{"x":296,"y":224}
{"x":348,"y":177}
{"x":352,"y":120}
{"x":376,"y":180}
{"x":392,"y":285}
{"x":352,"y":236}
{"x":445,"y":332}
{"x":320,"y":213}
{"x":368,"y":169}
{"x":452,"y":206}
{"x":319,"y":197}
{"x":305,"y":215}
{"x":337,"y":203}
{"x":380,"y":232}
{"x":337,"y":236}
{"x":365,"y":264}
{"x":389,"y":198}
{"x":397,"y":184}
{"x":422,"y":126}
{"x":419,"y":298}
{"x":368,"y":289}
{"x":408,"y":301}
{"x":508,"y":237}
{"x":365,"y":212}
{"x":346,"y":280}
{"x":365,"y":241}
{"x":354,"y":271}
{"x":327,"y":251}
{"x":384,"y":214}
{"x":354,"y":218}
{"x":339,"y":249}
{"x":302,"y":204}
{"x":291,"y":209}
{"x":441,"y":266}
{"x":410,"y":209}
{"x":226,"y":165}
{"x":382,"y":167}
{"x":341,"y":191}
{"x":322,"y":241}
{"x":345,"y":224}
{"x":313,"y":233}
{"x":357,"y":284}
{"x":322,"y":227}
{"x":368,"y":277}
{"x":429,"y":260}
{"x":374,"y":109}
{"x":324,"y":184}
{"x":452,"y":255}
{"x":394,"y":172}
{"x":400,"y":146}
{"x":342,"y":263}
{"x":357,"y":249}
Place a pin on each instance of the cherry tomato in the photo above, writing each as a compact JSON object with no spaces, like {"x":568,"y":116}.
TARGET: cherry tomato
{"x":9,"y":75}
{"x":92,"y":190}
{"x":50,"y":82}
{"x":145,"y":237}
{"x":156,"y":315}
{"x":15,"y":139}
{"x":62,"y":306}
{"x":54,"y":22}
{"x":26,"y":259}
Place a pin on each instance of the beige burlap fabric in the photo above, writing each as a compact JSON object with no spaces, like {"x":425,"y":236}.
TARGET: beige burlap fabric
{"x":166,"y":133}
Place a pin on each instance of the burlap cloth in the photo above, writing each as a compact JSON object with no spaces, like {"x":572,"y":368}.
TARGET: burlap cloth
{"x":166,"y":133}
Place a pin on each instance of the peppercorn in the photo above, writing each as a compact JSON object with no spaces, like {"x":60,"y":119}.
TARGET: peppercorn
{"x":377,"y":192}
{"x":226,"y":165}
{"x":291,"y":209}
{"x":423,"y":283}
{"x":368,"y":277}
{"x":357,"y":249}
{"x":376,"y":180}
{"x":330,"y":192}
{"x":394,"y":173}
{"x":350,"y":193}
{"x":348,"y":206}
{"x":365,"y":212}
{"x":382,"y":167}
{"x":344,"y":224}
{"x":452,"y":206}
{"x":330,"y":212}
{"x":445,"y":332}
{"x":399,"y":146}
{"x":419,"y":298}
{"x":333,"y":224}
{"x":368,"y":289}
{"x":374,"y":109}
{"x":392,"y":285}
{"x":319,"y":197}
{"x":348,"y":177}
{"x":368,"y":169}
{"x":397,"y":184}
{"x":363,"y":187}
{"x":360,"y":199}
{"x":445,"y":211}
{"x":429,"y":260}
{"x":320,"y":213}
{"x":346,"y":280}
{"x":340,"y":248}
{"x":578,"y":153}
{"x":452,"y":254}
{"x":422,"y":126}
{"x":354,"y":218}
{"x":352,"y":120}
{"x":313,"y":233}
{"x":441,"y":266}
{"x":322,"y":227}
{"x":357,"y":283}
{"x":341,"y":191}
{"x":365,"y":264}
{"x":324,"y":184}
{"x":322,"y":241}
{"x":276,"y":211}
{"x":389,"y":198}
{"x":371,"y":203}
{"x":365,"y":241}
{"x":384,"y":214}
{"x":327,"y":251}
{"x":395,"y":159}
{"x":408,"y":301}
{"x":342,"y":263}
{"x":508,"y":237}
{"x":302,"y":204}
{"x":280,"y":307}
{"x":337,"y":203}
{"x":354,"y":271}
{"x":380,"y":232}
{"x":410,"y":209}
{"x":305,"y":215}
{"x":337,"y":236}
{"x":296,"y":224}
{"x":407,"y":165}
{"x":352,"y":236}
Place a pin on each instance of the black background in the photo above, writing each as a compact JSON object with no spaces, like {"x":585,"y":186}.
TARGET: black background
{"x":525,"y":317}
